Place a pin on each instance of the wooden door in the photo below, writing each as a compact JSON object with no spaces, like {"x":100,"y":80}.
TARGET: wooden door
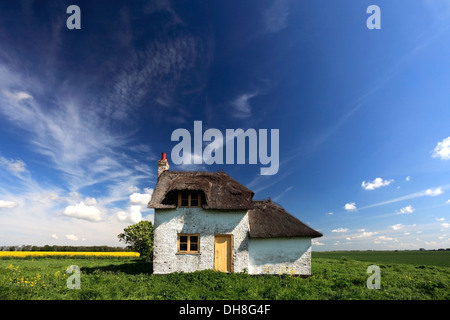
{"x":223,"y":253}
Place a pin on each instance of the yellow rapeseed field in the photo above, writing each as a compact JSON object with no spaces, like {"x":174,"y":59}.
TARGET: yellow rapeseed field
{"x":24,"y":254}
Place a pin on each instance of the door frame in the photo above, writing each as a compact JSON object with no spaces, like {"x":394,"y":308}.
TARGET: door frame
{"x":230,"y":236}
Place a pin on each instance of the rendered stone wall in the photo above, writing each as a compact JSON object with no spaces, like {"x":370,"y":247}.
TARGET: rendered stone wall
{"x":280,"y":255}
{"x":169,"y":223}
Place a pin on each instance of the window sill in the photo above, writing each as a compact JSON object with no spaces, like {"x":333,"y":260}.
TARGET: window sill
{"x":189,"y":207}
{"x":189,"y":253}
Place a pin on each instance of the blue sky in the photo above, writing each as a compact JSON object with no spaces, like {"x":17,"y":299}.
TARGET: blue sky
{"x":362,"y":114}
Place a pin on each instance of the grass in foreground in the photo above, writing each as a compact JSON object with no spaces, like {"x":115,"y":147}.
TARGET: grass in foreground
{"x":122,"y":278}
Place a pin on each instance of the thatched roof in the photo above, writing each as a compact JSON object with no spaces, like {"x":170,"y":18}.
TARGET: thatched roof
{"x":268,"y":220}
{"x":219,"y":190}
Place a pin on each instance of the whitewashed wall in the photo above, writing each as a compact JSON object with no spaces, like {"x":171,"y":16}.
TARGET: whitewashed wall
{"x":280,"y":255}
{"x":169,"y":223}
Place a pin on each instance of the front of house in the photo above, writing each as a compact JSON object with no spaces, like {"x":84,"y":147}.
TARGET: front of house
{"x":207,"y":220}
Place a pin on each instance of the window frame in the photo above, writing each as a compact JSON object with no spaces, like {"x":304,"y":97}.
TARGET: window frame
{"x":199,"y":199}
{"x":188,"y":251}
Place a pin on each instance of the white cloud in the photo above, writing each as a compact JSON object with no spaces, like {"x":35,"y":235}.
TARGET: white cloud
{"x":54,"y":236}
{"x":351,"y":206}
{"x":17,"y":95}
{"x":377,"y":183}
{"x":71,"y":237}
{"x":448,"y":201}
{"x":83,"y":211}
{"x":405,"y":210}
{"x":133,"y":215}
{"x":141,"y":198}
{"x":384,"y":238}
{"x":15,"y":166}
{"x":366,"y":234}
{"x":8,"y":204}
{"x":316,"y":242}
{"x":445,"y":225}
{"x":148,"y":190}
{"x":340,"y":230}
{"x":408,"y":178}
{"x":90,"y":201}
{"x":440,"y":219}
{"x":138,"y":202}
{"x":330,"y":213}
{"x":397,"y":226}
{"x":434,"y":192}
{"x":442,"y":149}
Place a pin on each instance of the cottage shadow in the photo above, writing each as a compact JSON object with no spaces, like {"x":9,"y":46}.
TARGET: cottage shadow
{"x":132,"y":268}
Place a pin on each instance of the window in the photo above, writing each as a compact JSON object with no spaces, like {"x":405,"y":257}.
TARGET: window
{"x":189,"y":199}
{"x":188,"y":243}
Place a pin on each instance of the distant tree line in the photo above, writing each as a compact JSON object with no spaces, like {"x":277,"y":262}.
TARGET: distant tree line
{"x":64,"y":248}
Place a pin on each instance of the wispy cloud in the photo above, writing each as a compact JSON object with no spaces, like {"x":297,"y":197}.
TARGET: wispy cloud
{"x":241,"y":105}
{"x":17,"y":95}
{"x":262,"y":182}
{"x":83,"y":148}
{"x":276,"y":16}
{"x":84,"y":151}
{"x":429,"y":192}
{"x":15,"y":166}
{"x":278,"y":197}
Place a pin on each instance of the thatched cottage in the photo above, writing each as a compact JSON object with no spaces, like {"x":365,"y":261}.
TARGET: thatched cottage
{"x":208,"y":220}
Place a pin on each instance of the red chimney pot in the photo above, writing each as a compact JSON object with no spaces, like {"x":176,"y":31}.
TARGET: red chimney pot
{"x":163,"y":156}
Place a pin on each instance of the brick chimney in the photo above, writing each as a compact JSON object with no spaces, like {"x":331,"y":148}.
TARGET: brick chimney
{"x":163,"y":165}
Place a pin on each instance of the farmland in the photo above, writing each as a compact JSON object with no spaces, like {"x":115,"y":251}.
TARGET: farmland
{"x":336,"y":276}
{"x":428,"y":258}
{"x":67,"y":254}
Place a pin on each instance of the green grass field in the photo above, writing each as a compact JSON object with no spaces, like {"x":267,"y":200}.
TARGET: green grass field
{"x":336,"y":276}
{"x":427,"y":258}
